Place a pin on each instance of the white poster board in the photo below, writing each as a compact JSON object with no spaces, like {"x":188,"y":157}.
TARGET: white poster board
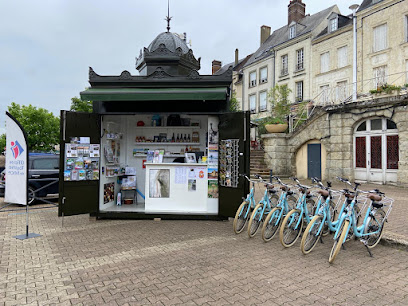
{"x":16,"y":162}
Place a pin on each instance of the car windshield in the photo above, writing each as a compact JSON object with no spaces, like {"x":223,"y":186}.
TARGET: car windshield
{"x":46,"y":163}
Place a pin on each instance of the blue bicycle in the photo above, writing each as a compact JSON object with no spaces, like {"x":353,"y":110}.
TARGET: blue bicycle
{"x":293,"y":223}
{"x":323,"y":221}
{"x":273,"y":220}
{"x":265,"y":205}
{"x":244,"y":210}
{"x":370,"y":231}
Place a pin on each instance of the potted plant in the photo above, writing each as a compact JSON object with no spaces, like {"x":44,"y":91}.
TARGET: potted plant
{"x":279,"y":99}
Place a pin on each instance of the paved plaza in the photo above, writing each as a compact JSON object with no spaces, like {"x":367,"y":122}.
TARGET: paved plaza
{"x":83,"y":261}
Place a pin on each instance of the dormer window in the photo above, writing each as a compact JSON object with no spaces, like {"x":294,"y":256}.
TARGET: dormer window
{"x":333,"y":24}
{"x":292,"y":31}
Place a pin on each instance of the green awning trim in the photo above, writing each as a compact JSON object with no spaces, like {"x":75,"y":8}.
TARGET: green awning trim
{"x":153,"y":94}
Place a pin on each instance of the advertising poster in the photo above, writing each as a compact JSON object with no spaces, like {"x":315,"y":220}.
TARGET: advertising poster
{"x":159,"y":183}
{"x":213,"y":189}
{"x":108,"y":192}
{"x":212,"y":173}
{"x":192,"y":185}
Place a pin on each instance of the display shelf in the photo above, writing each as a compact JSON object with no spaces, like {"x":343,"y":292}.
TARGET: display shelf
{"x":168,"y":127}
{"x":168,"y":143}
{"x":169,"y":155}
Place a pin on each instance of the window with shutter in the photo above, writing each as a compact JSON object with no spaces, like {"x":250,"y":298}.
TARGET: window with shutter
{"x":380,"y":76}
{"x":380,"y":38}
{"x":299,"y":59}
{"x":292,"y":31}
{"x":324,"y":94}
{"x":252,"y":103}
{"x":342,"y":57}
{"x":263,"y":75}
{"x":262,"y":101}
{"x":284,"y":68}
{"x":324,"y":62}
{"x":299,"y":91}
{"x":341,"y":91}
{"x":333,"y":24}
{"x":252,"y":79}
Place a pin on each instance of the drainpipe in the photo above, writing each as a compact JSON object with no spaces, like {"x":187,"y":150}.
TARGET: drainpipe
{"x":354,"y":8}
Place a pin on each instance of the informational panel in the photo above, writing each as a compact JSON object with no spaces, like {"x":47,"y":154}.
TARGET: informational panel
{"x":166,"y":192}
{"x":16,"y":162}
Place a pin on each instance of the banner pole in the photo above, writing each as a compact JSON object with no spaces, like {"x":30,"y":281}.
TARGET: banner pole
{"x":14,"y":128}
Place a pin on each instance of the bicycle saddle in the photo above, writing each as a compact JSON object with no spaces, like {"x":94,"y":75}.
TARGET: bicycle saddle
{"x":374,"y":197}
{"x":377,"y":205}
{"x":324,"y":193}
{"x":284,"y":188}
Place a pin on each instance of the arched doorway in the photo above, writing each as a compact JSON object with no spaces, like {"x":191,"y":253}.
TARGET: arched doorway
{"x":376,"y":151}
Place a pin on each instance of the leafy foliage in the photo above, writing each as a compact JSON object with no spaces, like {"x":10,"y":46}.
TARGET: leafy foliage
{"x":41,"y":126}
{"x":279,"y":99}
{"x":78,"y":105}
{"x":234,"y":105}
{"x":2,"y":143}
{"x":385,"y":88}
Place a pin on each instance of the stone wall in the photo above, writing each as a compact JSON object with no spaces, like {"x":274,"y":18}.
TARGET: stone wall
{"x":334,"y":128}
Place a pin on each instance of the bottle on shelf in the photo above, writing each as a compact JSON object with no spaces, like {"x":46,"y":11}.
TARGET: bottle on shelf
{"x":177,"y":139}
{"x":186,"y":149}
{"x":185,"y":138}
{"x":172,"y":138}
{"x":188,"y":139}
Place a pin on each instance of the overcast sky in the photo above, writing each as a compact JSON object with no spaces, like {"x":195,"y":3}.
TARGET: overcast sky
{"x":46,"y":46}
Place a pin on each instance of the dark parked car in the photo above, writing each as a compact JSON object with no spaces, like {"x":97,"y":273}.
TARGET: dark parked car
{"x":43,"y":169}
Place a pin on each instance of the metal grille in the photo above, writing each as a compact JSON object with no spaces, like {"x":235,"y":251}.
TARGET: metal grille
{"x":376,"y":152}
{"x":392,"y":152}
{"x":361,"y":152}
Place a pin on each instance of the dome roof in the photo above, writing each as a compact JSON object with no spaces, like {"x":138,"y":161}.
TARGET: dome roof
{"x":170,"y":40}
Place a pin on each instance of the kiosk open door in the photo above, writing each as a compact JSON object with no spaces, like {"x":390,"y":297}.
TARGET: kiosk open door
{"x":234,"y":158}
{"x":79,"y":163}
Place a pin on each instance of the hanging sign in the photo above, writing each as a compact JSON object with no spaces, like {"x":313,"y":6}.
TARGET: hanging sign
{"x":16,"y":162}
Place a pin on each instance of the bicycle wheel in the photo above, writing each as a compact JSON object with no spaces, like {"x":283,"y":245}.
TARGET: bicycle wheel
{"x":273,"y":199}
{"x":291,"y":200}
{"x":374,"y":224}
{"x":255,"y":220}
{"x":311,"y":208}
{"x":311,"y":235}
{"x":290,"y":230}
{"x":240,"y":220}
{"x":339,"y":241}
{"x":333,"y":214}
{"x":271,"y":224}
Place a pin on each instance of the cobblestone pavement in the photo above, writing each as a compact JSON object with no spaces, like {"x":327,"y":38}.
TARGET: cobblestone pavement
{"x":139,"y":262}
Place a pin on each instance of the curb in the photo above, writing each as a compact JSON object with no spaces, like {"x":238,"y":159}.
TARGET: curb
{"x":395,"y":240}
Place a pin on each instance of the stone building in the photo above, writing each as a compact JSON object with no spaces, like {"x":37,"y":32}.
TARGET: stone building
{"x":365,"y":139}
{"x":284,"y":58}
{"x":382,"y":47}
{"x":332,"y":58}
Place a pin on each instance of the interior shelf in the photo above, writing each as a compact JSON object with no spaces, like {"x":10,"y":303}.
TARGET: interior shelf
{"x":168,"y":127}
{"x":168,"y":143}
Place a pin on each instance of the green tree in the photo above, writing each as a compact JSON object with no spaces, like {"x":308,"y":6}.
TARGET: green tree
{"x":41,"y":126}
{"x":2,"y":143}
{"x":279,"y":99}
{"x":234,"y":105}
{"x":78,"y":105}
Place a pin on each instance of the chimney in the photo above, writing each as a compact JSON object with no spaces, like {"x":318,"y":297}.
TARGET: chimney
{"x":236,"y":57}
{"x":296,"y":11}
{"x":265,"y":33}
{"x":216,"y":65}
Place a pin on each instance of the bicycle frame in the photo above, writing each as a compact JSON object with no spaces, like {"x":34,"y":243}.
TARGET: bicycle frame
{"x":266,"y":204}
{"x":282,"y":203}
{"x":250,"y":199}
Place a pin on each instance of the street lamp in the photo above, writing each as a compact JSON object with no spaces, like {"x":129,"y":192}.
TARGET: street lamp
{"x":354,"y":8}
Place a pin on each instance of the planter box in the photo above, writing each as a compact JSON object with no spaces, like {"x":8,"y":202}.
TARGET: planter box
{"x":276,"y":128}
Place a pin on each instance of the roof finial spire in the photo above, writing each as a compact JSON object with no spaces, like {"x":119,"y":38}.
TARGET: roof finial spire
{"x":168,"y":18}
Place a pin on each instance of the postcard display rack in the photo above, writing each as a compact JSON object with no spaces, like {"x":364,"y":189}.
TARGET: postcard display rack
{"x":229,"y":153}
{"x":81,"y":161}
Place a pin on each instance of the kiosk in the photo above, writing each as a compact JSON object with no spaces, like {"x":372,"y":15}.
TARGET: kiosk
{"x":161,"y":144}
